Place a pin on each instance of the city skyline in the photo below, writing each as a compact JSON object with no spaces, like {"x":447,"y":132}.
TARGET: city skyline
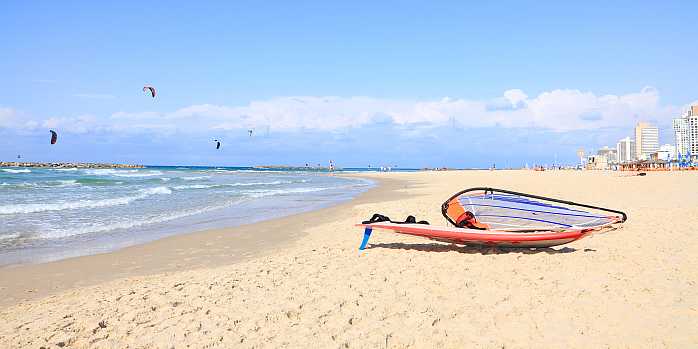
{"x":646,"y":145}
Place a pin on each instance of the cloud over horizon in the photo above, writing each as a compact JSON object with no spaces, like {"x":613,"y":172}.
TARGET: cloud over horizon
{"x":357,"y":129}
{"x":556,"y":110}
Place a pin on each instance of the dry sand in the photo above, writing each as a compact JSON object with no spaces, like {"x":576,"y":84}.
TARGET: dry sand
{"x":634,"y":287}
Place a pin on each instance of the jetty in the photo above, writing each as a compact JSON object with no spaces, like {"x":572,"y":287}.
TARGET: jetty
{"x":65,"y":165}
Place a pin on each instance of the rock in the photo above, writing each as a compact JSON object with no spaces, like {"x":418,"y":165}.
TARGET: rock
{"x":66,"y":165}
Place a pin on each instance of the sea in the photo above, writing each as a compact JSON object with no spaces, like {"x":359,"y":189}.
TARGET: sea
{"x":49,"y":214}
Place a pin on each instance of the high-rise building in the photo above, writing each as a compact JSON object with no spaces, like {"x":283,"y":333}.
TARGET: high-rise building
{"x":625,"y":150}
{"x":692,"y":116}
{"x":693,"y":136}
{"x":683,"y":141}
{"x":646,"y":140}
{"x":686,"y":133}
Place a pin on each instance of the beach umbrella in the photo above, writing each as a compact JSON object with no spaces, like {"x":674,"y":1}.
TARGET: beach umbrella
{"x":687,"y":158}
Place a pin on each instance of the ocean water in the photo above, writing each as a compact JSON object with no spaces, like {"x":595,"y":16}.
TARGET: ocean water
{"x":51,"y":214}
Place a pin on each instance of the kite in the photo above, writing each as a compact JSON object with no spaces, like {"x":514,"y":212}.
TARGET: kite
{"x":54,"y":136}
{"x":150,"y":89}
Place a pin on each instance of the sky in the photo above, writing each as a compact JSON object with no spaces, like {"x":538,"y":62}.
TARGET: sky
{"x":413,"y":84}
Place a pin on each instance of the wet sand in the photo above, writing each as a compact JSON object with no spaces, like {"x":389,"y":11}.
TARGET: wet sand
{"x":634,"y":287}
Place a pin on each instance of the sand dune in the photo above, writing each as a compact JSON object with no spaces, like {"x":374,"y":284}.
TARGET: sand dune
{"x":634,"y":287}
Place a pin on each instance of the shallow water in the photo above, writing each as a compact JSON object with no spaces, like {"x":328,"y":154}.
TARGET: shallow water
{"x":50,"y":214}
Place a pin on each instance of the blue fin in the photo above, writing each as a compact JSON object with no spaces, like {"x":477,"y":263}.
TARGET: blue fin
{"x":367,"y":234}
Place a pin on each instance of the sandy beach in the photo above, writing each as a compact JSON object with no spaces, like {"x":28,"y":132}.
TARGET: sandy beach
{"x":300,"y":281}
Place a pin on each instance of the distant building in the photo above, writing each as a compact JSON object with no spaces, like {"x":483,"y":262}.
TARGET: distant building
{"x":625,"y":150}
{"x":610,"y":154}
{"x":667,"y":152}
{"x":646,"y":140}
{"x":686,"y":133}
{"x":597,"y":162}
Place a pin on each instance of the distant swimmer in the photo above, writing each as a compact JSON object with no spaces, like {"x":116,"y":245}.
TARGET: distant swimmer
{"x":250,"y":132}
{"x":218,"y":143}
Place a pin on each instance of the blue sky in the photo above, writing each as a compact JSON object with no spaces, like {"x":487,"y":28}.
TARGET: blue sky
{"x":407,"y":83}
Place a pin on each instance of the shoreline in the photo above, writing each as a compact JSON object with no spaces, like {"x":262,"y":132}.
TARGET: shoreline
{"x":192,"y":250}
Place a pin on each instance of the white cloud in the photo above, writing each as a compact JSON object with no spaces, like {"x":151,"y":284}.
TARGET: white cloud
{"x":7,"y":116}
{"x":515,"y":96}
{"x":16,"y":120}
{"x":13,"y":119}
{"x":80,"y":124}
{"x":557,"y":110}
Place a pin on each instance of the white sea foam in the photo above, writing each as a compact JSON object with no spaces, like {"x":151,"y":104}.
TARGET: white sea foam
{"x":66,"y":183}
{"x":194,"y":178}
{"x":11,"y":170}
{"x":47,"y":184}
{"x":9,"y":236}
{"x":248,"y":184}
{"x":18,"y":185}
{"x":138,"y":174}
{"x":99,"y":228}
{"x":245,"y":184}
{"x":122,"y":173}
{"x":156,"y":190}
{"x":100,"y":171}
{"x":71,"y":205}
{"x":247,"y":171}
{"x":193,"y":186}
{"x":272,"y":192}
{"x":241,"y":184}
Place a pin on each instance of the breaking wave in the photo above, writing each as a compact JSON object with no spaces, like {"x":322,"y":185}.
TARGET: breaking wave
{"x":71,"y":205}
{"x":126,"y":224}
{"x":123,"y":173}
{"x":11,"y":170}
